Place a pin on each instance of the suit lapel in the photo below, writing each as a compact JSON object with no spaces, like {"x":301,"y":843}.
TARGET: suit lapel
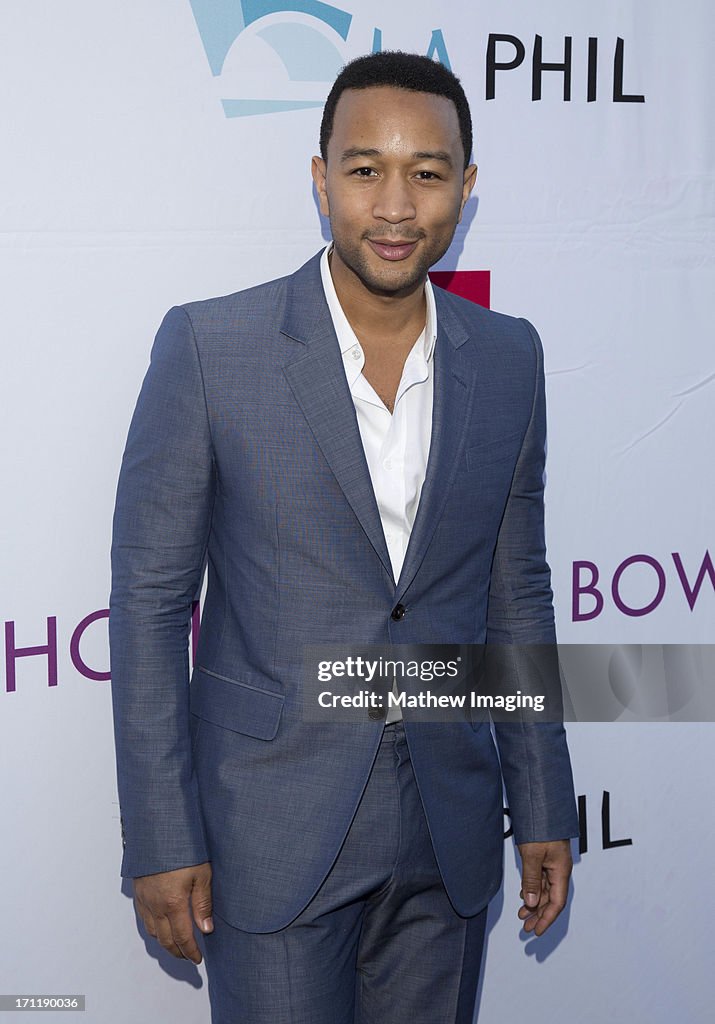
{"x":453,"y":397}
{"x":317,"y":379}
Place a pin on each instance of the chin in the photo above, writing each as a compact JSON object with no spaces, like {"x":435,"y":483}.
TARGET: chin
{"x":403,"y":282}
{"x":393,"y":279}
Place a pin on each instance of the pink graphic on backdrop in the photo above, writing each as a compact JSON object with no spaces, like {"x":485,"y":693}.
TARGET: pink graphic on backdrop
{"x":470,"y":284}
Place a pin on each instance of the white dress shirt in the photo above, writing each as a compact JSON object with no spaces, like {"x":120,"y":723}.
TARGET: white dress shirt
{"x":396,"y":444}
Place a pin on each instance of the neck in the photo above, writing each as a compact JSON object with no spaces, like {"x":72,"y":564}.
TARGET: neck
{"x":375,"y":312}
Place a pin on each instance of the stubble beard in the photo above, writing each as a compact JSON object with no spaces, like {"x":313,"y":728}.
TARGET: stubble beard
{"x":398,"y":277}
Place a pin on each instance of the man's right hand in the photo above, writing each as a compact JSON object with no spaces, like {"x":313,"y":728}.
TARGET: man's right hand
{"x":166,"y":903}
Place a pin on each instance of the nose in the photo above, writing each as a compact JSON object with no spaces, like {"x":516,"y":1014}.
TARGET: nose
{"x":393,"y":200}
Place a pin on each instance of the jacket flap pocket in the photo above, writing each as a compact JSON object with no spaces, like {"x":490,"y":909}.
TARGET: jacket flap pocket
{"x":487,"y":452}
{"x":234,"y":705}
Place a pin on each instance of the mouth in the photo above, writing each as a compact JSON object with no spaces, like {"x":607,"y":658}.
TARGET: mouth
{"x":392,"y":251}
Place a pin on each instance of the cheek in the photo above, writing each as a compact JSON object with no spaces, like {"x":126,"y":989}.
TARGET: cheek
{"x":449,"y":214}
{"x":349,"y":212}
{"x":334,"y":201}
{"x":444,"y":221}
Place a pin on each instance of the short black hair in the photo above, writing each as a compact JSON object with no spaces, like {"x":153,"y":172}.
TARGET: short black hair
{"x":402,"y":71}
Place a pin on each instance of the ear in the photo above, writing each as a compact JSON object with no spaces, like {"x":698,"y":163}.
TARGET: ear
{"x":318,"y":169}
{"x":470,"y":177}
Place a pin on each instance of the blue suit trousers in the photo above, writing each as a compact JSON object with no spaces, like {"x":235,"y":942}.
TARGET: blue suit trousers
{"x":379,"y":942}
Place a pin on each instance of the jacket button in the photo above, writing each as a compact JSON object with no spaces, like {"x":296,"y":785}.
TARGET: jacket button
{"x":398,"y":612}
{"x":376,"y":714}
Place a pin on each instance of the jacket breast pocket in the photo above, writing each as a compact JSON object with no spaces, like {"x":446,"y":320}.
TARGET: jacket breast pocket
{"x":235,"y":705}
{"x":487,"y":453}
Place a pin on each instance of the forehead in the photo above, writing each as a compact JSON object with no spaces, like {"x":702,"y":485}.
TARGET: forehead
{"x":384,"y":116}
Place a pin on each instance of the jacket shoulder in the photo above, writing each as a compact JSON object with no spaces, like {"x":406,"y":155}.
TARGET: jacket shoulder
{"x":265,"y":300}
{"x":473,"y":315}
{"x":261,"y":308}
{"x":487,"y":327}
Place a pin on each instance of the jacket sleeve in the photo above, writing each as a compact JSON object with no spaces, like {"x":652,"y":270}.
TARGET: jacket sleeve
{"x":534,"y":755}
{"x":162,"y":518}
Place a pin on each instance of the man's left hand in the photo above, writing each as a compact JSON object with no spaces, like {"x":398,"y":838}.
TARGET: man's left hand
{"x":545,"y":873}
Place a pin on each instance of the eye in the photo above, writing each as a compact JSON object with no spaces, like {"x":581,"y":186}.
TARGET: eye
{"x":363,"y":172}
{"x":427,"y":176}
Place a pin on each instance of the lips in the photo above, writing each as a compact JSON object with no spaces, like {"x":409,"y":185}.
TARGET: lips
{"x":392,"y":250}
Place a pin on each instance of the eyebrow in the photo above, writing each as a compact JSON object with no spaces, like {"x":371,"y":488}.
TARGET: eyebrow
{"x":354,"y":151}
{"x":438,"y":154}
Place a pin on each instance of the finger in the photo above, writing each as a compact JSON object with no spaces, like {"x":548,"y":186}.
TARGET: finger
{"x":146,"y":916}
{"x":166,"y":938}
{"x":201,"y":904}
{"x":545,"y":918}
{"x":531,"y":915}
{"x":558,"y":894}
{"x":531,"y":879}
{"x":546,"y":915}
{"x":178,"y":938}
{"x":542,"y":894}
{"x":524,"y":913}
{"x":182,"y":933}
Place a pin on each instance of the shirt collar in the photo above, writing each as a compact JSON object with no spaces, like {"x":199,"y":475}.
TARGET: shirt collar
{"x":346,"y":335}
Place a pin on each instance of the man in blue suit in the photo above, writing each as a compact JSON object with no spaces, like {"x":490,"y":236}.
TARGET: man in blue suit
{"x":360,"y":458}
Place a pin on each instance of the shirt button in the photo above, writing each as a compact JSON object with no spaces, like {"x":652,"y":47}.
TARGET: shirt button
{"x":356,"y":353}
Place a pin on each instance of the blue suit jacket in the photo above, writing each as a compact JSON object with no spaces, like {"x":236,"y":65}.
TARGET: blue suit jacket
{"x":244,"y":447}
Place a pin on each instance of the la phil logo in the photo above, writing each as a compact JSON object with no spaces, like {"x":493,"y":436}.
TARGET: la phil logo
{"x":589,"y":592}
{"x":310,"y":40}
{"x":307,"y":36}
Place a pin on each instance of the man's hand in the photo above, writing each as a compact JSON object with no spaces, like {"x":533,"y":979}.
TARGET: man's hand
{"x":545,"y":873}
{"x":165,"y":903}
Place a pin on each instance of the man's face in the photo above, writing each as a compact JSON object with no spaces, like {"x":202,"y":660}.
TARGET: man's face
{"x":394,"y":185}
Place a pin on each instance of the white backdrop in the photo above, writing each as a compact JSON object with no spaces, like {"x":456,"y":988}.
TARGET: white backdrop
{"x":127,"y":188}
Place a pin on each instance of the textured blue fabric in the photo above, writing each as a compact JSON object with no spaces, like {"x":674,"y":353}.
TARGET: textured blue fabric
{"x":379,"y":941}
{"x":244,"y":449}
